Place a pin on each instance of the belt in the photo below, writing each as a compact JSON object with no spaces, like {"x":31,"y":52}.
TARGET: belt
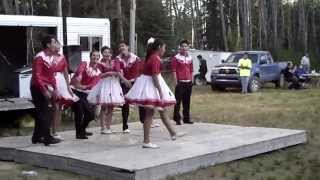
{"x":185,"y":81}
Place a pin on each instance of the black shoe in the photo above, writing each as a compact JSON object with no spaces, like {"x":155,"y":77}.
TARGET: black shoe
{"x":51,"y":140}
{"x":36,"y":140}
{"x":178,"y":122}
{"x":82,"y":137}
{"x":89,"y":133}
{"x":188,"y":122}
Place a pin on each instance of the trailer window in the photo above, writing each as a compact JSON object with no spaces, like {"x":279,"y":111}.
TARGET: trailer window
{"x":84,"y":44}
{"x":90,"y":43}
{"x":96,"y":43}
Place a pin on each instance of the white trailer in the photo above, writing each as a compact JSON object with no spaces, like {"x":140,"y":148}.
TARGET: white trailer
{"x":85,"y":33}
{"x":212,"y":58}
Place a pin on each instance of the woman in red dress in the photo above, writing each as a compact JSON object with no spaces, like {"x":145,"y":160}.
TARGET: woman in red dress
{"x":64,"y":96}
{"x":151,"y":91}
{"x":107,"y":92}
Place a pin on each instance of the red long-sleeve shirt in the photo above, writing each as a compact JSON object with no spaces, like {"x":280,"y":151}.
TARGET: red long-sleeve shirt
{"x":131,"y":66}
{"x":182,"y":66}
{"x":42,"y":72}
{"x":90,"y":76}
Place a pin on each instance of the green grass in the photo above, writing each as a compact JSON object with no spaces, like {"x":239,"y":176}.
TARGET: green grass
{"x":267,"y":108}
{"x":12,"y":171}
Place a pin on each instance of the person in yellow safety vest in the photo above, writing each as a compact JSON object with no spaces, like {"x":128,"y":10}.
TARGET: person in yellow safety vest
{"x":245,"y":66}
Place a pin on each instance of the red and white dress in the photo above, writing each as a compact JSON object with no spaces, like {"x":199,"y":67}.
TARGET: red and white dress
{"x":63,"y":95}
{"x":108,"y":90}
{"x":144,"y":92}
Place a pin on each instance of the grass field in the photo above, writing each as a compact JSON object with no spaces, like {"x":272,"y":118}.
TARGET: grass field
{"x":267,"y":108}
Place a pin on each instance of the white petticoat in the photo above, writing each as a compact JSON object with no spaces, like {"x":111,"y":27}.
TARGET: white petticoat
{"x":63,"y":95}
{"x":144,"y":93}
{"x":107,"y":92}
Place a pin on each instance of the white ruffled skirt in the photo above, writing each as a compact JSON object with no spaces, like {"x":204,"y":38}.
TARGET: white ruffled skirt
{"x":63,"y":95}
{"x":107,"y":92}
{"x":144,"y":93}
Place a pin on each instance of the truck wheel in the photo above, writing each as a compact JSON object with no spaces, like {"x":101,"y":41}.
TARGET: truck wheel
{"x":254,"y":84}
{"x":213,"y":88}
{"x":198,"y":81}
{"x":280,"y":82}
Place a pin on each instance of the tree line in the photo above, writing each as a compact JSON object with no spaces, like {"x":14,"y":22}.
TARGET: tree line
{"x":281,"y":26}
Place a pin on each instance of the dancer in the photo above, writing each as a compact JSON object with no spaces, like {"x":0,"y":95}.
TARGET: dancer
{"x":43,"y":87}
{"x":86,"y":77}
{"x":108,"y":92}
{"x":182,"y":69}
{"x":64,"y":96}
{"x":131,"y":67}
{"x":151,"y":91}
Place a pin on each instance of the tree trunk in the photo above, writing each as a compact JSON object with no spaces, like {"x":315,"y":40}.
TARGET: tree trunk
{"x":303,"y":32}
{"x":238,"y":41}
{"x":59,"y":8}
{"x":193,"y":24}
{"x":289,"y":27}
{"x":69,"y":10}
{"x":175,"y":8}
{"x":17,"y":6}
{"x":262,"y":36}
{"x":313,"y":26}
{"x":198,"y":23}
{"x":275,"y":23}
{"x":223,"y":26}
{"x":120,"y":23}
{"x":283,"y":29}
{"x":260,"y":25}
{"x":246,"y":25}
{"x":171,"y":18}
{"x":230,"y":36}
{"x":250,"y":24}
{"x":7,"y":7}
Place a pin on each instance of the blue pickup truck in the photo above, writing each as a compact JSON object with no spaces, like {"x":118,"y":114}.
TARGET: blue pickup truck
{"x":264,"y":70}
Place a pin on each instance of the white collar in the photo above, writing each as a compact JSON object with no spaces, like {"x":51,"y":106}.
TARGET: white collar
{"x":48,"y":59}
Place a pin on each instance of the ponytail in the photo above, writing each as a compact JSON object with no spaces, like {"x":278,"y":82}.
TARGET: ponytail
{"x":153,"y":45}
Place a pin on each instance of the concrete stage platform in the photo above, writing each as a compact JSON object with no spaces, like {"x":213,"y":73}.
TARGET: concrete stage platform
{"x":120,"y":156}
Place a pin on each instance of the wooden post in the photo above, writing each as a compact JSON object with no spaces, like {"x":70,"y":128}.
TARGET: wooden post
{"x":133,"y":26}
{"x":59,"y":8}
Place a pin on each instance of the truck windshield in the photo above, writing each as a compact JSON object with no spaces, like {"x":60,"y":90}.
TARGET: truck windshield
{"x":234,"y":58}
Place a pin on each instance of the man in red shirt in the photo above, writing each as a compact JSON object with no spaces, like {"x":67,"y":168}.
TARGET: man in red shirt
{"x":85,"y":78}
{"x":42,"y":89}
{"x":131,"y":67}
{"x":182,"y":69}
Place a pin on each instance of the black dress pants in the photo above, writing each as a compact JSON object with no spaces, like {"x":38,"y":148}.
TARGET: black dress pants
{"x":182,"y":92}
{"x":42,"y":114}
{"x":83,"y":113}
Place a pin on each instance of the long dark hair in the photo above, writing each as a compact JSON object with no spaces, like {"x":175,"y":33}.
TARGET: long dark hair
{"x":152,"y":47}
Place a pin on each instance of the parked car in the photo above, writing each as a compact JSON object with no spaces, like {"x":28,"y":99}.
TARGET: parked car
{"x":263,"y":70}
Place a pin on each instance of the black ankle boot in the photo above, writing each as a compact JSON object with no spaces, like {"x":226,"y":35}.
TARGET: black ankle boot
{"x":36,"y":140}
{"x":82,"y":137}
{"x":51,"y":140}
